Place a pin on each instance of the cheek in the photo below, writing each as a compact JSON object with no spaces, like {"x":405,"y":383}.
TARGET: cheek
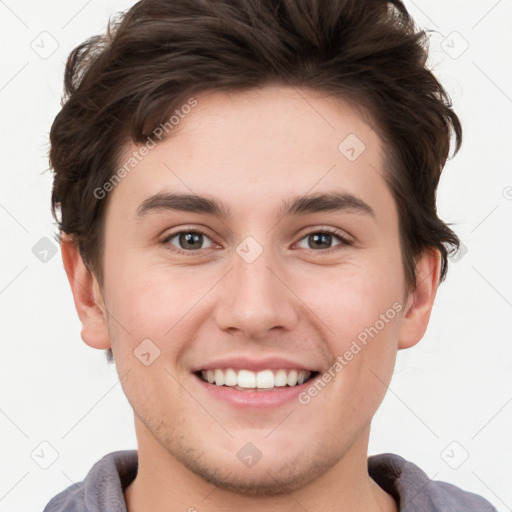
{"x":155,"y":311}
{"x":361,"y":313}
{"x":150,"y":301}
{"x":356,"y":297}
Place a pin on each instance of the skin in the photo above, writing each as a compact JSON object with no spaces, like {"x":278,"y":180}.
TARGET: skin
{"x":252,"y":150}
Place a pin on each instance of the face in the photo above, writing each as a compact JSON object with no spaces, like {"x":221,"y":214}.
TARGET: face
{"x":272,"y":291}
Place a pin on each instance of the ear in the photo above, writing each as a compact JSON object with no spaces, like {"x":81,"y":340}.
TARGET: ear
{"x":87,"y":296}
{"x":420,"y":300}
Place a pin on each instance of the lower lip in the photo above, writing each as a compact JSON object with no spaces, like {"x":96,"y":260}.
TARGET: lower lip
{"x":255,"y":399}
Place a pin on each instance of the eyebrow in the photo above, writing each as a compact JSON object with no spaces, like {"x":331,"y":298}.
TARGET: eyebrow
{"x":337,"y":201}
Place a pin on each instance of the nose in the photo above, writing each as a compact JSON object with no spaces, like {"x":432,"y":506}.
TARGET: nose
{"x":257,"y":298}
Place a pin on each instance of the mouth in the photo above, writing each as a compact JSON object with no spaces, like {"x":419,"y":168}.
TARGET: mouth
{"x":256,"y":381}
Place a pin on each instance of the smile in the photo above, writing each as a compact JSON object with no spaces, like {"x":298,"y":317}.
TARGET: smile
{"x":247,"y":380}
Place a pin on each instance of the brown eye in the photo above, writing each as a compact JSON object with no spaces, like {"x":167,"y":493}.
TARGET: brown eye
{"x":187,"y":241}
{"x":324,"y":240}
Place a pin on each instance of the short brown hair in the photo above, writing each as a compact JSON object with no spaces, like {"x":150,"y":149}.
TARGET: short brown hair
{"x":123,"y":84}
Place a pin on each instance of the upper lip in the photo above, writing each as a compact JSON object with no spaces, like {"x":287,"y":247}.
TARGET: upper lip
{"x":248,"y":363}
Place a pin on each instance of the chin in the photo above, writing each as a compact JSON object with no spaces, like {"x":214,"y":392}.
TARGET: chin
{"x":275,"y":473}
{"x":263,"y":479}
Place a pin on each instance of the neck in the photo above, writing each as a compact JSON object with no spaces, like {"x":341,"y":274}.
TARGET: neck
{"x":163,"y":484}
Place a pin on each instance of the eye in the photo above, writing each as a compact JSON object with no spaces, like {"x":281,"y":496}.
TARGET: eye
{"x":188,"y":240}
{"x":192,"y":240}
{"x":323,"y":239}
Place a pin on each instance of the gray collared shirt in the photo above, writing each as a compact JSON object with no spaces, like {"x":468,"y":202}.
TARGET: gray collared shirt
{"x":102,"y":490}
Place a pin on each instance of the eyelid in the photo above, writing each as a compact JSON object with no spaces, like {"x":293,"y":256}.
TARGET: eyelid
{"x":344,"y":238}
{"x":341,"y":235}
{"x":166,"y":239}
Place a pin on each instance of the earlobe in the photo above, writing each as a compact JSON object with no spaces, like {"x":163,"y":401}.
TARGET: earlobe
{"x":87,"y":296}
{"x":420,"y":300}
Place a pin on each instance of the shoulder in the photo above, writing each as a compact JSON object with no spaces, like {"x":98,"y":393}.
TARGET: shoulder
{"x":415,"y":491}
{"x":102,"y":487}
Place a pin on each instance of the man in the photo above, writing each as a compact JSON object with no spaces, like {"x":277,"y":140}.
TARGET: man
{"x":298,"y":144}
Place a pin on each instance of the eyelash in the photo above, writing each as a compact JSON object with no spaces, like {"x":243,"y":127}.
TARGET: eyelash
{"x":330,"y":231}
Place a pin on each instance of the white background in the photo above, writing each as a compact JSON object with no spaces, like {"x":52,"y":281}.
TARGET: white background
{"x":451,"y":395}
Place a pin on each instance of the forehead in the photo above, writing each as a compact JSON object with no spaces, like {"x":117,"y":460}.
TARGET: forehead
{"x":258,"y":146}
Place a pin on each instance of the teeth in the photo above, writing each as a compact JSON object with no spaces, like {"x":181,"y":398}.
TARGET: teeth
{"x":219,"y":378}
{"x":265,"y":379}
{"x":230,"y":378}
{"x":247,"y":379}
{"x":291,"y":378}
{"x":280,"y":378}
{"x":301,"y":378}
